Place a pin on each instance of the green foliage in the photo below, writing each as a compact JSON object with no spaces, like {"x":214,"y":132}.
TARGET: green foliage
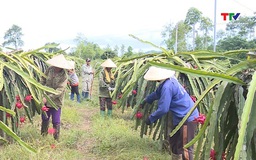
{"x":183,"y":29}
{"x":243,"y":26}
{"x":52,"y":49}
{"x":85,"y":49}
{"x":235,"y":43}
{"x":103,"y":139}
{"x":205,"y":77}
{"x":108,"y":54}
{"x":123,"y":142}
{"x":193,"y":16}
{"x":20,"y":74}
{"x":129,"y":52}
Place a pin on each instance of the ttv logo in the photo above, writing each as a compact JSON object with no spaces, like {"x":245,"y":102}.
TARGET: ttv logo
{"x":230,"y":15}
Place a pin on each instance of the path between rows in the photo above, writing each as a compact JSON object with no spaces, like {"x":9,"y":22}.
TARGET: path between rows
{"x":87,"y":144}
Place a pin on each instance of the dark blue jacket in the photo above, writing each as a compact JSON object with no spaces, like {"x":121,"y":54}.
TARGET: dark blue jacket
{"x":172,"y":97}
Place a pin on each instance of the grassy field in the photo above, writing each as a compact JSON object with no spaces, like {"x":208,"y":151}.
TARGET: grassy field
{"x":85,"y":135}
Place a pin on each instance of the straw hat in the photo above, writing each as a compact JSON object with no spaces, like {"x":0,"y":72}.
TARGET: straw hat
{"x":59,"y":61}
{"x":108,"y":63}
{"x":157,"y":74}
{"x":72,"y":64}
{"x":251,"y":53}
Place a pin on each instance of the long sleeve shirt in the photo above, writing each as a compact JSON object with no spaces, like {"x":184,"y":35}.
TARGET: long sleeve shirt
{"x":104,"y":85}
{"x":86,"y":72}
{"x":57,"y":81}
{"x":172,"y":97}
{"x":87,"y":77}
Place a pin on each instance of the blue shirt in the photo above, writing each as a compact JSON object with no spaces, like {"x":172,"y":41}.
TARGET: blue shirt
{"x":172,"y":97}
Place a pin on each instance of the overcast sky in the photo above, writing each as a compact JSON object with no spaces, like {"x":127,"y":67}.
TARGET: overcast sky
{"x":105,"y":22}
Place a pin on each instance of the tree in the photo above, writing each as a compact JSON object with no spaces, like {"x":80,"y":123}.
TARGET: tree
{"x":13,"y":37}
{"x":232,"y":43}
{"x":206,"y":25}
{"x":88,"y":50}
{"x":192,"y":18}
{"x":116,"y":49}
{"x":108,"y":54}
{"x":52,"y":49}
{"x":129,"y":52}
{"x":244,"y":26}
{"x":85,"y":49}
{"x":122,"y":49}
{"x":169,"y":35}
{"x":220,"y":35}
{"x":80,"y":38}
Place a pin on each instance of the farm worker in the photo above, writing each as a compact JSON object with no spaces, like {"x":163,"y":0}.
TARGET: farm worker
{"x":87,"y":79}
{"x":172,"y":97}
{"x":106,"y":85}
{"x":74,"y":82}
{"x":56,"y":78}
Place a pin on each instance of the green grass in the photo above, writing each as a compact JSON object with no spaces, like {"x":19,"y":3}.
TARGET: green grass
{"x":117,"y":139}
{"x":85,"y":135}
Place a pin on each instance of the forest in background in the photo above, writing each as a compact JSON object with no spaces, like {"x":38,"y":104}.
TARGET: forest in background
{"x":195,"y":32}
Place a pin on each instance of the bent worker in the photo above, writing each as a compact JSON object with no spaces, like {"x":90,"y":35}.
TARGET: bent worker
{"x":173,"y":97}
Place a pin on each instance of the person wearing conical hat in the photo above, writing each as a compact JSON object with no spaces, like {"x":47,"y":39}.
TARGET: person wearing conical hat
{"x":87,"y":74}
{"x":74,"y":82}
{"x":172,"y":97}
{"x":106,"y":85}
{"x":56,"y":78}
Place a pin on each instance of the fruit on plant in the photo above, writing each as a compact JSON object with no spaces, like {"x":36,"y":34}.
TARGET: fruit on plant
{"x":17,"y":98}
{"x":28,"y":98}
{"x":19,"y":105}
{"x":212,"y":154}
{"x":8,"y":115}
{"x":223,"y":156}
{"x":134,"y":92}
{"x":119,"y":96}
{"x":114,"y":102}
{"x":139,"y":115}
{"x":22,"y":119}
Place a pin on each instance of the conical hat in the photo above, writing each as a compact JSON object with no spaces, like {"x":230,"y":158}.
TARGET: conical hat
{"x":157,"y":74}
{"x":59,"y":61}
{"x":72,"y":64}
{"x":251,"y":53}
{"x":108,"y":63}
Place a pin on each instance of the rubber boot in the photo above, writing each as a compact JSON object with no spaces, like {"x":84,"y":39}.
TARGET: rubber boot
{"x":102,"y":113}
{"x":44,"y":128}
{"x":176,"y":156}
{"x":110,"y":113}
{"x":57,"y":131}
